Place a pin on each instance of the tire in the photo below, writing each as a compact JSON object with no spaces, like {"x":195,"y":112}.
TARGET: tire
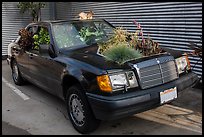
{"x":16,"y":75}
{"x":79,"y":111}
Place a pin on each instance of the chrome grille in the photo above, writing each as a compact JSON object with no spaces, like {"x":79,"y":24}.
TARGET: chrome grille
{"x":156,"y":71}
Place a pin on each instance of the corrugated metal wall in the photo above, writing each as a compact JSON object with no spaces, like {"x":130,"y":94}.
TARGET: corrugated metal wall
{"x":62,"y":10}
{"x":12,"y":21}
{"x":172,"y":24}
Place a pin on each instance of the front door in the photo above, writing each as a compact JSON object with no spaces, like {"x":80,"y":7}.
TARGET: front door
{"x":43,"y":69}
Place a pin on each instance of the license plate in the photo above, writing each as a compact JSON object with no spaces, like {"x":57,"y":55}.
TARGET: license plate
{"x":168,"y":95}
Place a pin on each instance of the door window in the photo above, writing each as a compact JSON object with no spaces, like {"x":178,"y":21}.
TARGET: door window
{"x":41,"y":40}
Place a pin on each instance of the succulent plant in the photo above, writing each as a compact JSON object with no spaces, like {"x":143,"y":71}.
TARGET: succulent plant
{"x":121,"y":54}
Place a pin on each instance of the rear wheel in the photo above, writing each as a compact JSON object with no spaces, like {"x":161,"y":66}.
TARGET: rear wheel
{"x":16,"y":75}
{"x":79,"y":111}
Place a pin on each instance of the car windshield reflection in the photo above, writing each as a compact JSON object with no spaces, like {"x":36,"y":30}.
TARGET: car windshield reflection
{"x":86,"y":33}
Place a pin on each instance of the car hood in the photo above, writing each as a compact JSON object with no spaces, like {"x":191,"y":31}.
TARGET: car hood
{"x":88,"y":54}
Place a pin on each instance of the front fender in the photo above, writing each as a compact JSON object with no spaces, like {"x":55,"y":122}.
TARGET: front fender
{"x":84,"y":73}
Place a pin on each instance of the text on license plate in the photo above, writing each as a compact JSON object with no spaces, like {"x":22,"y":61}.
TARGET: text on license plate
{"x":168,"y":95}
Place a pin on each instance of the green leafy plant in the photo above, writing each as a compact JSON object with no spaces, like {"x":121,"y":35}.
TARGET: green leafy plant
{"x":88,"y":34}
{"x":41,"y":38}
{"x":121,"y":54}
{"x":136,"y":40}
{"x":34,"y":8}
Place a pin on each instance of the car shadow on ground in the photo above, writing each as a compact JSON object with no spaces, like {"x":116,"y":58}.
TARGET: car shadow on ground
{"x":183,"y":116}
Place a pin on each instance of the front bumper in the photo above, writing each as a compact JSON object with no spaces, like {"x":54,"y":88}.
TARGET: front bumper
{"x":115,"y":107}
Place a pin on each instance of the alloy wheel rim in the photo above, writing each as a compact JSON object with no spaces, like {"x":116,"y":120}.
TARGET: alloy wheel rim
{"x":76,"y":110}
{"x":15,"y":72}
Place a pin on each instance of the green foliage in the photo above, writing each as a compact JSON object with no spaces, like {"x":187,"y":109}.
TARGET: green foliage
{"x":42,"y":37}
{"x":121,"y":54}
{"x":89,"y":34}
{"x":119,"y":37}
{"x":123,"y":46}
{"x":32,"y":7}
{"x":146,"y":46}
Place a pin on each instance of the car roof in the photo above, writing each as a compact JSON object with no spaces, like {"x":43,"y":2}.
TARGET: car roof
{"x":46,"y":22}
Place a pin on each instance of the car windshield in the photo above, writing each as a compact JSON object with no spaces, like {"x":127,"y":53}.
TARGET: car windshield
{"x":78,"y":33}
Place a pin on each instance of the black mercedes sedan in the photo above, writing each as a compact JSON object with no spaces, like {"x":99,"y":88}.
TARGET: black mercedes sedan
{"x":59,"y":60}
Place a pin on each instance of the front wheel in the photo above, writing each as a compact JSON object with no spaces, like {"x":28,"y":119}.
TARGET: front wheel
{"x":79,"y":111}
{"x":16,"y":75}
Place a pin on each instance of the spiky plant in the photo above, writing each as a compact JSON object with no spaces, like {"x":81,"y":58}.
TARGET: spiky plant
{"x":121,"y":54}
{"x":119,"y":37}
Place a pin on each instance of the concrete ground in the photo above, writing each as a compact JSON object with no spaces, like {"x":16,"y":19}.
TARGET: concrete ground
{"x":37,"y":112}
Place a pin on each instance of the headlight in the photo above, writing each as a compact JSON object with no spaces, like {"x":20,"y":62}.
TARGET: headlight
{"x":131,"y":79}
{"x":117,"y":81}
{"x":183,"y":64}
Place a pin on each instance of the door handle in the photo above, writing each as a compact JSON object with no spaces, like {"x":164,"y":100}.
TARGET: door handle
{"x":31,"y":56}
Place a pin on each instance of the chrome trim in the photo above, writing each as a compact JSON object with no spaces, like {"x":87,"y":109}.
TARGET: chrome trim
{"x":159,"y":70}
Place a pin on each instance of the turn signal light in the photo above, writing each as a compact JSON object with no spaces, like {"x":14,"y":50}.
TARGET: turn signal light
{"x":104,"y":83}
{"x":188,"y":62}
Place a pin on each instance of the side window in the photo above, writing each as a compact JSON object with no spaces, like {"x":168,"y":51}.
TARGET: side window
{"x":41,"y":39}
{"x":30,"y":29}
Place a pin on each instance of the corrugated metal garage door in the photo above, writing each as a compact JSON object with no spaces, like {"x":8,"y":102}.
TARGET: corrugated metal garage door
{"x":172,"y":24}
{"x":12,"y":21}
{"x":62,"y":10}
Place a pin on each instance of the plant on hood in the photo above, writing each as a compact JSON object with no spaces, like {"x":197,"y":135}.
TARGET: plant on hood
{"x":121,"y":53}
{"x":124,"y":40}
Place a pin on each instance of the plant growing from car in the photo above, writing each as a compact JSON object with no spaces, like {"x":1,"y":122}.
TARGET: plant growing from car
{"x":26,"y":40}
{"x":136,"y":40}
{"x":117,"y":48}
{"x":121,"y":53}
{"x":93,"y":88}
{"x":147,"y":45}
{"x":41,"y":38}
{"x":119,"y":37}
